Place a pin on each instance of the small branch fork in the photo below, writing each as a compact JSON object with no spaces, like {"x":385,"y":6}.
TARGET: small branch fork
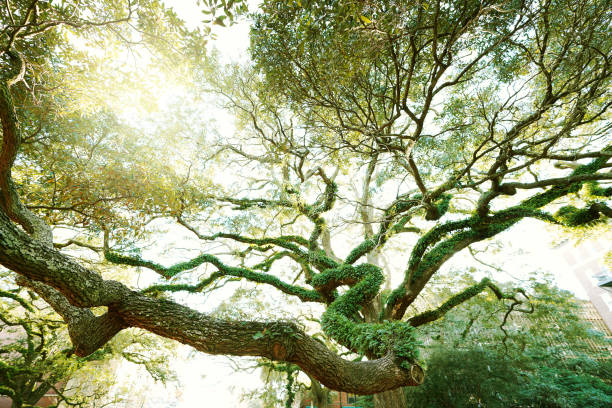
{"x":470,"y":292}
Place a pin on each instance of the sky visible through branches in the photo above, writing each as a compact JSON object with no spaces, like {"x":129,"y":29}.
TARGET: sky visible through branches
{"x":524,"y":249}
{"x":200,"y":171}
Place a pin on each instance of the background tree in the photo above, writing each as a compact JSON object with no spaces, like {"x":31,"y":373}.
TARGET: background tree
{"x":36,"y":356}
{"x":549,"y":358}
{"x":374,"y":135}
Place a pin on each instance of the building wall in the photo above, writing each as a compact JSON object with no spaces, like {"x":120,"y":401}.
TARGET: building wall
{"x":338,"y":400}
{"x":585,"y":263}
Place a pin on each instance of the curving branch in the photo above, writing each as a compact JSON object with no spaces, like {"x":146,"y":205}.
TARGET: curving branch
{"x":464,"y":296}
{"x":274,"y":340}
{"x":424,"y":262}
{"x":223,"y":270}
{"x":10,"y":202}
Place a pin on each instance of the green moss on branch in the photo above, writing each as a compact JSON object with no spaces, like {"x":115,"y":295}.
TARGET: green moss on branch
{"x":467,"y":294}
{"x":370,"y":339}
{"x":424,"y":261}
{"x":223,"y":270}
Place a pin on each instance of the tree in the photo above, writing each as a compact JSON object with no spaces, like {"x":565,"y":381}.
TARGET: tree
{"x":542,"y":359}
{"x":449,"y":122}
{"x":479,"y":355}
{"x":36,"y":356}
{"x":33,"y":357}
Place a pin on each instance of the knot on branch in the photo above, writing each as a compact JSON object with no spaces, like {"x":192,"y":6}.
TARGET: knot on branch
{"x":281,"y":337}
{"x":417,"y":374}
{"x":506,"y":189}
{"x":437,"y":209}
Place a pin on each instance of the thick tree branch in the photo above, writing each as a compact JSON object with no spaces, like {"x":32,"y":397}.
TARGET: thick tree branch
{"x":10,"y":202}
{"x":87,"y":331}
{"x":277,"y":341}
{"x":424,"y":263}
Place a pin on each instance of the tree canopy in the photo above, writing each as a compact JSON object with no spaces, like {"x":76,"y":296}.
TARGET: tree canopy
{"x":371,"y":140}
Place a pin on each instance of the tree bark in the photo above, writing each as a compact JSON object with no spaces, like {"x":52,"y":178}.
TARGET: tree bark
{"x":390,"y":399}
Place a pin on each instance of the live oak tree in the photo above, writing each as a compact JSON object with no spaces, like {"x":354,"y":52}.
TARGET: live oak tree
{"x":482,"y":354}
{"x":367,"y":132}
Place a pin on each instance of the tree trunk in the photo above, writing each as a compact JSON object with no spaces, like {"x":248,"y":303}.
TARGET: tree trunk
{"x":390,"y":399}
{"x":319,"y":394}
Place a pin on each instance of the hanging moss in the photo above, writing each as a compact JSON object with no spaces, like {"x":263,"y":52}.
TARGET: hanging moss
{"x":290,"y":370}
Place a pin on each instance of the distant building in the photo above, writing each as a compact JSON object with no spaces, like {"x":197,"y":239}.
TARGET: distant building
{"x":590,"y":314}
{"x":584,"y":261}
{"x":335,"y":400}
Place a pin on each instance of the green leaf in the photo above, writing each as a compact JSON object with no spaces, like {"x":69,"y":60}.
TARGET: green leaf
{"x":365,"y":20}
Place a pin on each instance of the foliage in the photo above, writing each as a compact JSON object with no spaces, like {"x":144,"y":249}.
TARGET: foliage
{"x":280,"y":385}
{"x":371,"y":139}
{"x":543,"y":359}
{"x":486,"y":378}
{"x":36,"y":356}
